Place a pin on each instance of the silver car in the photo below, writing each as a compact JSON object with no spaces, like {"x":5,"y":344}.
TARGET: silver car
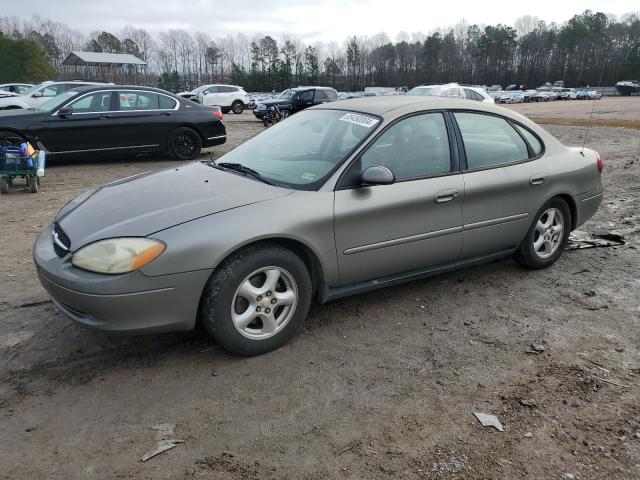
{"x":340,"y":199}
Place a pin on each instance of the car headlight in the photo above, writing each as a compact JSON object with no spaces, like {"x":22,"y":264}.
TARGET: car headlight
{"x":118,"y":255}
{"x":261,"y":106}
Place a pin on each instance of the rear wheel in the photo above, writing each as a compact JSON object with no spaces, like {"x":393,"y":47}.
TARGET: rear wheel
{"x":547,"y":236}
{"x":256,"y":301}
{"x":4,"y":185}
{"x":237,"y":107}
{"x":185,"y":144}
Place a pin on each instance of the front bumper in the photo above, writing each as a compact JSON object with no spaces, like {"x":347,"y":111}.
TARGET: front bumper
{"x":259,"y":114}
{"x":129,"y":303}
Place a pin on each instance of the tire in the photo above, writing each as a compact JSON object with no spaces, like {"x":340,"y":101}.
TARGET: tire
{"x":34,"y":183}
{"x":237,"y":107}
{"x":185,"y":144}
{"x":549,"y":250}
{"x":4,"y":185}
{"x":267,"y":122}
{"x":225,"y":110}
{"x":285,"y":113}
{"x":225,"y":304}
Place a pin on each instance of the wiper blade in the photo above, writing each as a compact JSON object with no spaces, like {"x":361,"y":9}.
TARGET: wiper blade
{"x":238,"y":167}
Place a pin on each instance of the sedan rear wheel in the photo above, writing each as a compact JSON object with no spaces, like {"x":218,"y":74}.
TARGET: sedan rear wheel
{"x":547,"y":236}
{"x":185,"y":144}
{"x":256,"y":300}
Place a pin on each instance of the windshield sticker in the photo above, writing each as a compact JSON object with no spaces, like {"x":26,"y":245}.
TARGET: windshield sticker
{"x":362,"y":120}
{"x":308,"y":176}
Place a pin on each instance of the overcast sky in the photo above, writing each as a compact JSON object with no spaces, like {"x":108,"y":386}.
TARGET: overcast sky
{"x":310,"y":20}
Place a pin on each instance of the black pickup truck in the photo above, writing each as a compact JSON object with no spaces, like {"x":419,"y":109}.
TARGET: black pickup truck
{"x":295,"y":99}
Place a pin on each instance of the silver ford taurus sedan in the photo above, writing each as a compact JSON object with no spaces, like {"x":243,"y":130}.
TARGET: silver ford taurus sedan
{"x":338,"y":199}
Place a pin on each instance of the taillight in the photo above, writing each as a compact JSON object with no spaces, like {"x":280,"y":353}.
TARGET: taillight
{"x":600,"y":164}
{"x":218,"y":115}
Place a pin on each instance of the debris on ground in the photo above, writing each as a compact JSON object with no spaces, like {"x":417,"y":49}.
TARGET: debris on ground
{"x":161,"y":447}
{"x":580,"y":240}
{"x":528,"y":435}
{"x":536,"y":348}
{"x":488,"y":420}
{"x":528,"y":403}
{"x":163,"y":430}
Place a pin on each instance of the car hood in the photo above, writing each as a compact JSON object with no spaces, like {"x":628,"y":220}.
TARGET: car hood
{"x":153,"y":201}
{"x":18,"y":112}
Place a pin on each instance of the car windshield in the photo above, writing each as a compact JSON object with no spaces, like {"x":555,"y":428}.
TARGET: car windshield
{"x":424,"y":91}
{"x":55,"y":101}
{"x":30,"y":90}
{"x":286,"y":94}
{"x":302,"y":151}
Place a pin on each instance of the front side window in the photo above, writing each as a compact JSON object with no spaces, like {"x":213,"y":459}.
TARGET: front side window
{"x":415,"y":147}
{"x":451,"y":92}
{"x":306,"y":96}
{"x":331,"y":95}
{"x":52,"y":90}
{"x":489,"y":141}
{"x":138,"y":100}
{"x":94,"y":102}
{"x":211,"y":90}
{"x":303,"y":151}
{"x":320,"y":96}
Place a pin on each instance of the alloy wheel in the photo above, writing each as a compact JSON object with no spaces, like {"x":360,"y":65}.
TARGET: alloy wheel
{"x":548,"y":233}
{"x":264,"y":303}
{"x":185,"y":144}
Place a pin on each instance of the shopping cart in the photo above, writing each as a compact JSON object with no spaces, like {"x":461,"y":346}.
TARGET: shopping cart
{"x":21,"y":161}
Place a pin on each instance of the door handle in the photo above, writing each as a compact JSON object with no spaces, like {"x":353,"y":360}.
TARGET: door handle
{"x":444,"y":196}
{"x":168,"y":114}
{"x":537,"y":179}
{"x":104,"y":117}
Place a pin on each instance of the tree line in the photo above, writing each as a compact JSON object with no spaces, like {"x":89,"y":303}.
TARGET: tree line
{"x":591,"y":48}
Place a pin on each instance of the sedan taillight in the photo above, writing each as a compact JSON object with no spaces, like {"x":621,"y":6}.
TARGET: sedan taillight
{"x":218,"y":115}
{"x":600,"y":163}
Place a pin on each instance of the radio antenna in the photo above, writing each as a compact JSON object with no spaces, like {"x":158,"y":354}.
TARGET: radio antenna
{"x":586,"y":134}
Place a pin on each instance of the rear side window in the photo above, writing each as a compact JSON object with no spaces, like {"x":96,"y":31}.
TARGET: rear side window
{"x":223,"y":89}
{"x":489,"y":141}
{"x":471,"y":95}
{"x":167,"y":103}
{"x":138,"y":100}
{"x":320,"y":95}
{"x":533,"y":141}
{"x":415,"y":147}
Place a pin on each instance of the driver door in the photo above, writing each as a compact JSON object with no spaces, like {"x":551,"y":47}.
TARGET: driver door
{"x":411,"y":224}
{"x":89,"y":127}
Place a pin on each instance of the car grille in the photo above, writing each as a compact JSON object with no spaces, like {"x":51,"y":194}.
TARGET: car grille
{"x":61,"y":242}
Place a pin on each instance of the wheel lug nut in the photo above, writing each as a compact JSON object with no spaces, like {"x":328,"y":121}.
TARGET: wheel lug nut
{"x":267,"y":310}
{"x":268,"y":294}
{"x":259,"y":297}
{"x":273,"y":301}
{"x":258,"y":309}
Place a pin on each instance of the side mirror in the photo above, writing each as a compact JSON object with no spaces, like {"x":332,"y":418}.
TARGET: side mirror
{"x":377,"y":175}
{"x":65,"y":112}
{"x":37,"y":94}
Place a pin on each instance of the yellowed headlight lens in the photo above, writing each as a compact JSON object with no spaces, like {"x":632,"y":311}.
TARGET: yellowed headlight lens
{"x":118,"y":255}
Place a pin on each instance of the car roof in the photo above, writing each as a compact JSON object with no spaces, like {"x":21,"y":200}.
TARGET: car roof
{"x":103,"y":86}
{"x":311,"y":87}
{"x":397,"y":105}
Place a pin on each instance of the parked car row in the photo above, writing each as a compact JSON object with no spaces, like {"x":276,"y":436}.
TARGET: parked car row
{"x":34,"y":95}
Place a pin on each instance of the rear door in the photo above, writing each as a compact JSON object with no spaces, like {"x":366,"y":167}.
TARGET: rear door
{"x":88,"y":127}
{"x":412,"y":224}
{"x":143,"y":119}
{"x":504,"y":185}
{"x":303,"y":100}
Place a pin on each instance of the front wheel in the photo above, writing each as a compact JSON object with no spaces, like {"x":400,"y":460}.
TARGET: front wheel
{"x":547,"y":237}
{"x":185,"y":144}
{"x":284,"y":113}
{"x":256,"y":300}
{"x":34,"y":183}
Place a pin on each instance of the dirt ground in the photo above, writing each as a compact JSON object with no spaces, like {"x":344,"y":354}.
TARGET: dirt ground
{"x":380,"y":385}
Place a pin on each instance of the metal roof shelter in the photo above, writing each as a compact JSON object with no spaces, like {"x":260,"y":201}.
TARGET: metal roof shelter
{"x":99,"y":58}
{"x":111,"y":67}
